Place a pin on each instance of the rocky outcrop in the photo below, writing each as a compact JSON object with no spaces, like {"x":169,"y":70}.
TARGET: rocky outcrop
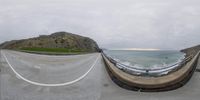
{"x":191,"y":51}
{"x":55,"y":40}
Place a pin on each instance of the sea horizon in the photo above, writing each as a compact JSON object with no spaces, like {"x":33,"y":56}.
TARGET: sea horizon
{"x":143,"y":49}
{"x":146,"y":58}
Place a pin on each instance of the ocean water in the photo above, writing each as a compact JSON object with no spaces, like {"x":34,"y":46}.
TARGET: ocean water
{"x":146,"y":59}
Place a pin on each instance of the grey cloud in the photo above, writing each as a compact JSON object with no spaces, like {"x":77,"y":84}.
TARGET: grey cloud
{"x":172,"y":24}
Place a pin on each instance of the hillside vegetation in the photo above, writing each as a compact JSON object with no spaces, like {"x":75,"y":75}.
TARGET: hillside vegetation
{"x":56,"y":42}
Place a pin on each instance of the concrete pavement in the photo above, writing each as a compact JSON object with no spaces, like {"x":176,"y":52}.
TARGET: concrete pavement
{"x":48,"y":69}
{"x":97,"y":85}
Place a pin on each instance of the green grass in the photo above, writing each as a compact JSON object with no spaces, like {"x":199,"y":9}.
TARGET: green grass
{"x":54,"y":50}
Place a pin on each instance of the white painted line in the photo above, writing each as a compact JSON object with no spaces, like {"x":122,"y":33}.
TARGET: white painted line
{"x":52,"y":85}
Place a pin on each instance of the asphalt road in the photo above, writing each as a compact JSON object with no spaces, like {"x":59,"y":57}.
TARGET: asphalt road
{"x":95,"y":85}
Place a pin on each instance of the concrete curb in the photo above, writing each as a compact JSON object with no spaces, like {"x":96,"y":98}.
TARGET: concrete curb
{"x":152,"y":84}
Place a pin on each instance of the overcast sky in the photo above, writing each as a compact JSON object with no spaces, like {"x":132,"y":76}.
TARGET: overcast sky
{"x":161,"y":24}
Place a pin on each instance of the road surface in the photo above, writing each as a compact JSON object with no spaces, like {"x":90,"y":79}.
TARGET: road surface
{"x":95,"y":85}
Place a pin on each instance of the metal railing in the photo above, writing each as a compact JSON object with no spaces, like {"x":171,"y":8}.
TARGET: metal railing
{"x":148,"y":71}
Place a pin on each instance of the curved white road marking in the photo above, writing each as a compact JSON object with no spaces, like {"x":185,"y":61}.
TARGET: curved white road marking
{"x":52,"y":85}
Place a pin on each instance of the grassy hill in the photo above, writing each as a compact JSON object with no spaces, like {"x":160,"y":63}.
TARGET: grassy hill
{"x":63,"y":42}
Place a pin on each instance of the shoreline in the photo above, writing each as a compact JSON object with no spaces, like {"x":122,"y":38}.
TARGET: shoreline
{"x":156,"y":65}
